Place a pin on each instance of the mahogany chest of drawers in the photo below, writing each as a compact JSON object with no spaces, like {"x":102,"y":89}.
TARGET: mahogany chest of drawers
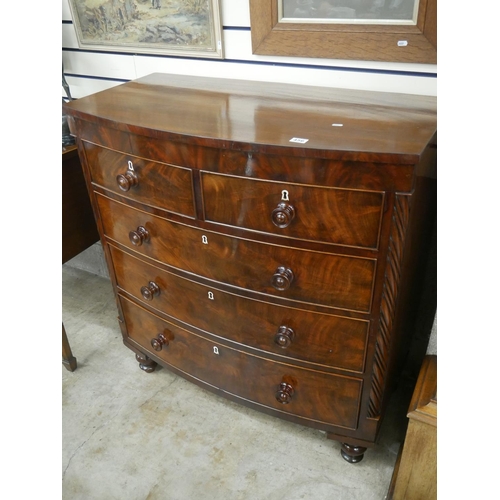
{"x":265,"y":241}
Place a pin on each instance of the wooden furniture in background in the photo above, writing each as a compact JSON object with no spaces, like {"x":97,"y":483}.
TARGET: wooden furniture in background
{"x":415,"y":474}
{"x":79,"y":230}
{"x":265,"y":241}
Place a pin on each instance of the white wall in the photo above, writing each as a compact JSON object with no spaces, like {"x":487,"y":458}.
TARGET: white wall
{"x":91,"y":71}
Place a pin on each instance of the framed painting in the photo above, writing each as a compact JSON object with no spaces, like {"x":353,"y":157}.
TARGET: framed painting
{"x":373,"y":30}
{"x":179,"y":27}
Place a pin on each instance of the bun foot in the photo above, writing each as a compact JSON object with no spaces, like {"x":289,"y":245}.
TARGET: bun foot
{"x":145,"y":363}
{"x":351,"y":453}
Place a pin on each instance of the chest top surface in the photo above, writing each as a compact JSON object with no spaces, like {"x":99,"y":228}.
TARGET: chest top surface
{"x":315,"y":121}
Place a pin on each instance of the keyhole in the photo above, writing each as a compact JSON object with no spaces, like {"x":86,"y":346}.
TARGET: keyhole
{"x":130,"y":166}
{"x":204,"y":240}
{"x":210,"y":295}
{"x":284,"y":195}
{"x":216,"y":350}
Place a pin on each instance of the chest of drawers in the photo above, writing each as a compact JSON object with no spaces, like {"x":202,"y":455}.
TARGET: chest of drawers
{"x":265,"y":241}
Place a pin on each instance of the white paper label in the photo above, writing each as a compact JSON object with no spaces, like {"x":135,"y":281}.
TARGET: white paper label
{"x":299,"y":140}
{"x":402,"y":43}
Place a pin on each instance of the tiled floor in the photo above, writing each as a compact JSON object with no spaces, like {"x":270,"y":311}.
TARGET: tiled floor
{"x":130,"y":435}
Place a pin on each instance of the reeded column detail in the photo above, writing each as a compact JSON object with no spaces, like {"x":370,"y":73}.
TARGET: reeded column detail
{"x":389,"y":298}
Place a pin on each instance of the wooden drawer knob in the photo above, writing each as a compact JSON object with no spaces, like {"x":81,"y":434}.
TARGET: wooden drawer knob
{"x":284,"y":393}
{"x":282,"y":278}
{"x":159,"y":341}
{"x":139,"y":236}
{"x":127,"y":180}
{"x":284,"y":336}
{"x":283,"y":215}
{"x":150,"y":291}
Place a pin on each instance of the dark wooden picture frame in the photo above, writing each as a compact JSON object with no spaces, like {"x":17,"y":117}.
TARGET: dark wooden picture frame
{"x":369,"y":42}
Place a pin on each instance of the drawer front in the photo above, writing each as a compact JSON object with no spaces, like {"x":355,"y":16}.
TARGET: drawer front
{"x":331,"y":215}
{"x":304,"y":276}
{"x":153,"y":183}
{"x":318,"y":396}
{"x":292,"y":333}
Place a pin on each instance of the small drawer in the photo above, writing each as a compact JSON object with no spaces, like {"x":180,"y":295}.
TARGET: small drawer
{"x":330,"y":280}
{"x":156,"y":184}
{"x":292,"y":333}
{"x":308,"y":394}
{"x":331,"y":215}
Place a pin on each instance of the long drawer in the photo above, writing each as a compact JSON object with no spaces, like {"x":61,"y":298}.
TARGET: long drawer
{"x":292,"y":333}
{"x":157,"y":184}
{"x":342,"y":216}
{"x":331,"y":280}
{"x":312,"y":395}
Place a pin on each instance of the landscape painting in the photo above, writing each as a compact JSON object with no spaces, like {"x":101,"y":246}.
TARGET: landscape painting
{"x":182,"y":27}
{"x":346,"y":11}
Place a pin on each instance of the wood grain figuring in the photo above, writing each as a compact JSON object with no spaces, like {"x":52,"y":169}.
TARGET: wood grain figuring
{"x":314,"y":171}
{"x":332,"y":341}
{"x":318,"y":396}
{"x":282,"y":275}
{"x":222,"y":114}
{"x":302,"y":170}
{"x":159,"y":185}
{"x":331,"y":280}
{"x":339,"y":216}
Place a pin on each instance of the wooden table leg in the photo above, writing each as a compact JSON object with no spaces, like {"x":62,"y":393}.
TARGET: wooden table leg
{"x":69,"y":361}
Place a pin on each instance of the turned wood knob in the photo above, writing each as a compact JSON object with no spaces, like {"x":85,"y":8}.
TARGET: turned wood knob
{"x":139,"y":236}
{"x":284,"y":393}
{"x":284,"y":336}
{"x":150,"y":291}
{"x":283,"y":215}
{"x":159,"y":341}
{"x":127,"y":180}
{"x":282,"y":278}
